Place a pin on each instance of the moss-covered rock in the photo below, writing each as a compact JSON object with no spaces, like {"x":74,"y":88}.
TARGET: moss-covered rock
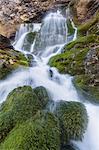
{"x":73,"y":120}
{"x":28,"y":41}
{"x":83,"y":42}
{"x":5,"y":42}
{"x":81,"y":57}
{"x":70,"y":27}
{"x":90,"y":27}
{"x":21,"y":104}
{"x":40,"y":133}
{"x":10,"y":60}
{"x":72,"y":60}
{"x":87,"y":86}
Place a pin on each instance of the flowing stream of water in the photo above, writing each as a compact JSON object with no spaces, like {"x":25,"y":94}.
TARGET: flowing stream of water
{"x":52,"y":36}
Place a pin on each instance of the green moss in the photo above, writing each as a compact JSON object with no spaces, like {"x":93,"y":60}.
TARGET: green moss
{"x":6,"y":124}
{"x":85,"y":28}
{"x":83,"y":82}
{"x":82,"y":42}
{"x":73,"y":120}
{"x":70,"y":28}
{"x":11,"y":60}
{"x":72,"y":60}
{"x":41,"y":133}
{"x":28,"y":41}
{"x":21,"y":104}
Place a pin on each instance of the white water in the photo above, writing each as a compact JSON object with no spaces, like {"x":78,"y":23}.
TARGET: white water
{"x":59,"y":86}
{"x":22,"y":32}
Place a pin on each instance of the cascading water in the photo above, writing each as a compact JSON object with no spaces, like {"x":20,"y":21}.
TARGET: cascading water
{"x":22,"y":32}
{"x":53,"y":36}
{"x":53,"y":32}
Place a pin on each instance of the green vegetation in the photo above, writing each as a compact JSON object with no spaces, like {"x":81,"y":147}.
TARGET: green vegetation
{"x":70,"y":62}
{"x":26,"y":124}
{"x":21,"y":104}
{"x":73,"y":120}
{"x":82,"y":42}
{"x":70,"y":28}
{"x":90,"y":26}
{"x":40,"y":133}
{"x":11,"y":60}
{"x":28,"y":41}
{"x":83,"y":82}
{"x":80,"y":59}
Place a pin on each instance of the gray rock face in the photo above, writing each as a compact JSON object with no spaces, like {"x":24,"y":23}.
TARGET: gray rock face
{"x":92,"y":66}
{"x":85,"y":8}
{"x":14,"y":12}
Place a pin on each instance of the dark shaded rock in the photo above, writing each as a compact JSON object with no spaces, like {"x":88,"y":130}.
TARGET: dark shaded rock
{"x":11,"y":60}
{"x":28,"y":41}
{"x":42,"y":95}
{"x":5,"y":42}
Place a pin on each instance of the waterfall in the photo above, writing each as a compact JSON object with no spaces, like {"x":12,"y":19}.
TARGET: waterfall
{"x":22,"y":32}
{"x":52,"y":36}
{"x":53,"y":32}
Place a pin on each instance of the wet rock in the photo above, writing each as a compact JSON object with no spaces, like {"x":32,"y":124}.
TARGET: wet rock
{"x":5,"y":42}
{"x":10,"y":59}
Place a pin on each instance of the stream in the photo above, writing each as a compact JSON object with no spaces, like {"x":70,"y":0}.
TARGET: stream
{"x":52,"y":36}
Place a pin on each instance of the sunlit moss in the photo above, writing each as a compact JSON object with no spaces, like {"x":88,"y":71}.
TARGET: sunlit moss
{"x":21,"y":104}
{"x":73,"y":120}
{"x":40,"y":133}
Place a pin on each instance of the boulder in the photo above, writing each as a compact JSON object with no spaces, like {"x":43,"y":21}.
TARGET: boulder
{"x":73,"y":120}
{"x":21,"y":104}
{"x":40,"y":133}
{"x":10,"y":59}
{"x":5,"y":42}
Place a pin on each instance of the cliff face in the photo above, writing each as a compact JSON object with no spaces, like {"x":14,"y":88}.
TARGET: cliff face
{"x":14,"y":12}
{"x":85,"y":8}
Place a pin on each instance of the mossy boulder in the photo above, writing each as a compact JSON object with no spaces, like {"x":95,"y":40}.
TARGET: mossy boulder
{"x":5,"y":42}
{"x":28,"y":41}
{"x":72,"y":60}
{"x":91,"y":26}
{"x":83,"y":42}
{"x":73,"y":120}
{"x":40,"y":133}
{"x":11,"y":60}
{"x":81,"y":57}
{"x":88,"y":87}
{"x":70,"y":27}
{"x":21,"y":104}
